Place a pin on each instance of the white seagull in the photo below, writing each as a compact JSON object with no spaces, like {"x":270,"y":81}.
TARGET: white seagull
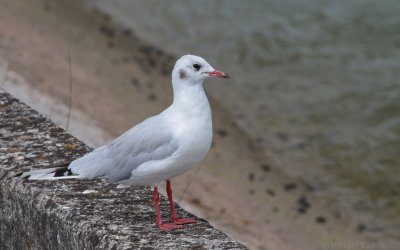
{"x":159,"y":148}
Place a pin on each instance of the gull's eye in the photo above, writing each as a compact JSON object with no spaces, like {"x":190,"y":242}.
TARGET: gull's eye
{"x":196,"y":66}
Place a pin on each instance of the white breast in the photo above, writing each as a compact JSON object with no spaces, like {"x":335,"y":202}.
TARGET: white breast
{"x":194,"y":132}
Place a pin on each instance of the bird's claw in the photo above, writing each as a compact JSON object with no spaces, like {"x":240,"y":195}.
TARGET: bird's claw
{"x":169,"y":226}
{"x":182,"y":221}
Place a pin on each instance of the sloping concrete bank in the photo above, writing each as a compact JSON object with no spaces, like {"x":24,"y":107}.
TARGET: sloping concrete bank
{"x":76,"y":214}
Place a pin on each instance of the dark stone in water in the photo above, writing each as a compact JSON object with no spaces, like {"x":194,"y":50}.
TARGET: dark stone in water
{"x":152,"y":63}
{"x":361,"y":227}
{"x":270,"y":192}
{"x":106,"y":31}
{"x":290,"y":186}
{"x":320,"y":219}
{"x":222,"y":132}
{"x":251,"y":177}
{"x":135,"y":82}
{"x":301,"y":210}
{"x":303,"y":204}
{"x":152,"y":97}
{"x":265,"y":168}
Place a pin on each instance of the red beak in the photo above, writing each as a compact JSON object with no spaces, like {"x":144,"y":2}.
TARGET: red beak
{"x":218,"y":73}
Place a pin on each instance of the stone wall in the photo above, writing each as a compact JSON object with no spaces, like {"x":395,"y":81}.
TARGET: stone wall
{"x":76,"y":214}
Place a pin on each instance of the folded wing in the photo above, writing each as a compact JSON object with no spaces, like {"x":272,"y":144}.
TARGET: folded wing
{"x":148,"y":141}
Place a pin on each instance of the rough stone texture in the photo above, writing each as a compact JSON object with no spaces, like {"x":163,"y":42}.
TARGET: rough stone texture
{"x":76,"y":214}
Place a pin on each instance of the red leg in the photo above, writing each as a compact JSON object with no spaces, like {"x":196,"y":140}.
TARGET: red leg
{"x":178,"y":221}
{"x":162,"y":226}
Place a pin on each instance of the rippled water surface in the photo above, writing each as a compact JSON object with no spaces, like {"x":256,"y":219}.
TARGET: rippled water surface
{"x":316,"y":82}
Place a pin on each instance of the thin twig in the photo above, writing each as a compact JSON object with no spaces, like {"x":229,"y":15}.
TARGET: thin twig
{"x":70,"y":88}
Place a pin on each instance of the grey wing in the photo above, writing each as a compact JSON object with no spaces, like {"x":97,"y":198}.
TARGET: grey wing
{"x":150,"y":140}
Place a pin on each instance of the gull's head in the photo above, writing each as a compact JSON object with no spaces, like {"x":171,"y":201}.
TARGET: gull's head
{"x":192,"y":69}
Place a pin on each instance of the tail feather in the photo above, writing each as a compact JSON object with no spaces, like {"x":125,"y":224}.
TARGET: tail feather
{"x":51,"y":177}
{"x":57,"y":172}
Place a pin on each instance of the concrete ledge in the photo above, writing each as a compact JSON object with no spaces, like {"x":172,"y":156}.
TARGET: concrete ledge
{"x":76,"y":214}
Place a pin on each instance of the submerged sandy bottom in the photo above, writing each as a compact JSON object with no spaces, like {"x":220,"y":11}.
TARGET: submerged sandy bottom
{"x":118,"y":80}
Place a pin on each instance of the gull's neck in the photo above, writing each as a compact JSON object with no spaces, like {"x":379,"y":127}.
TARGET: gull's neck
{"x":190,"y":99}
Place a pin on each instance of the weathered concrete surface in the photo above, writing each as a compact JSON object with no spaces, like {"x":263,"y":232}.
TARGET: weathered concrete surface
{"x":76,"y":214}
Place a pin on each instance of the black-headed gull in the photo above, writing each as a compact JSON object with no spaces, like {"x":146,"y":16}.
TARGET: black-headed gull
{"x":160,"y":147}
